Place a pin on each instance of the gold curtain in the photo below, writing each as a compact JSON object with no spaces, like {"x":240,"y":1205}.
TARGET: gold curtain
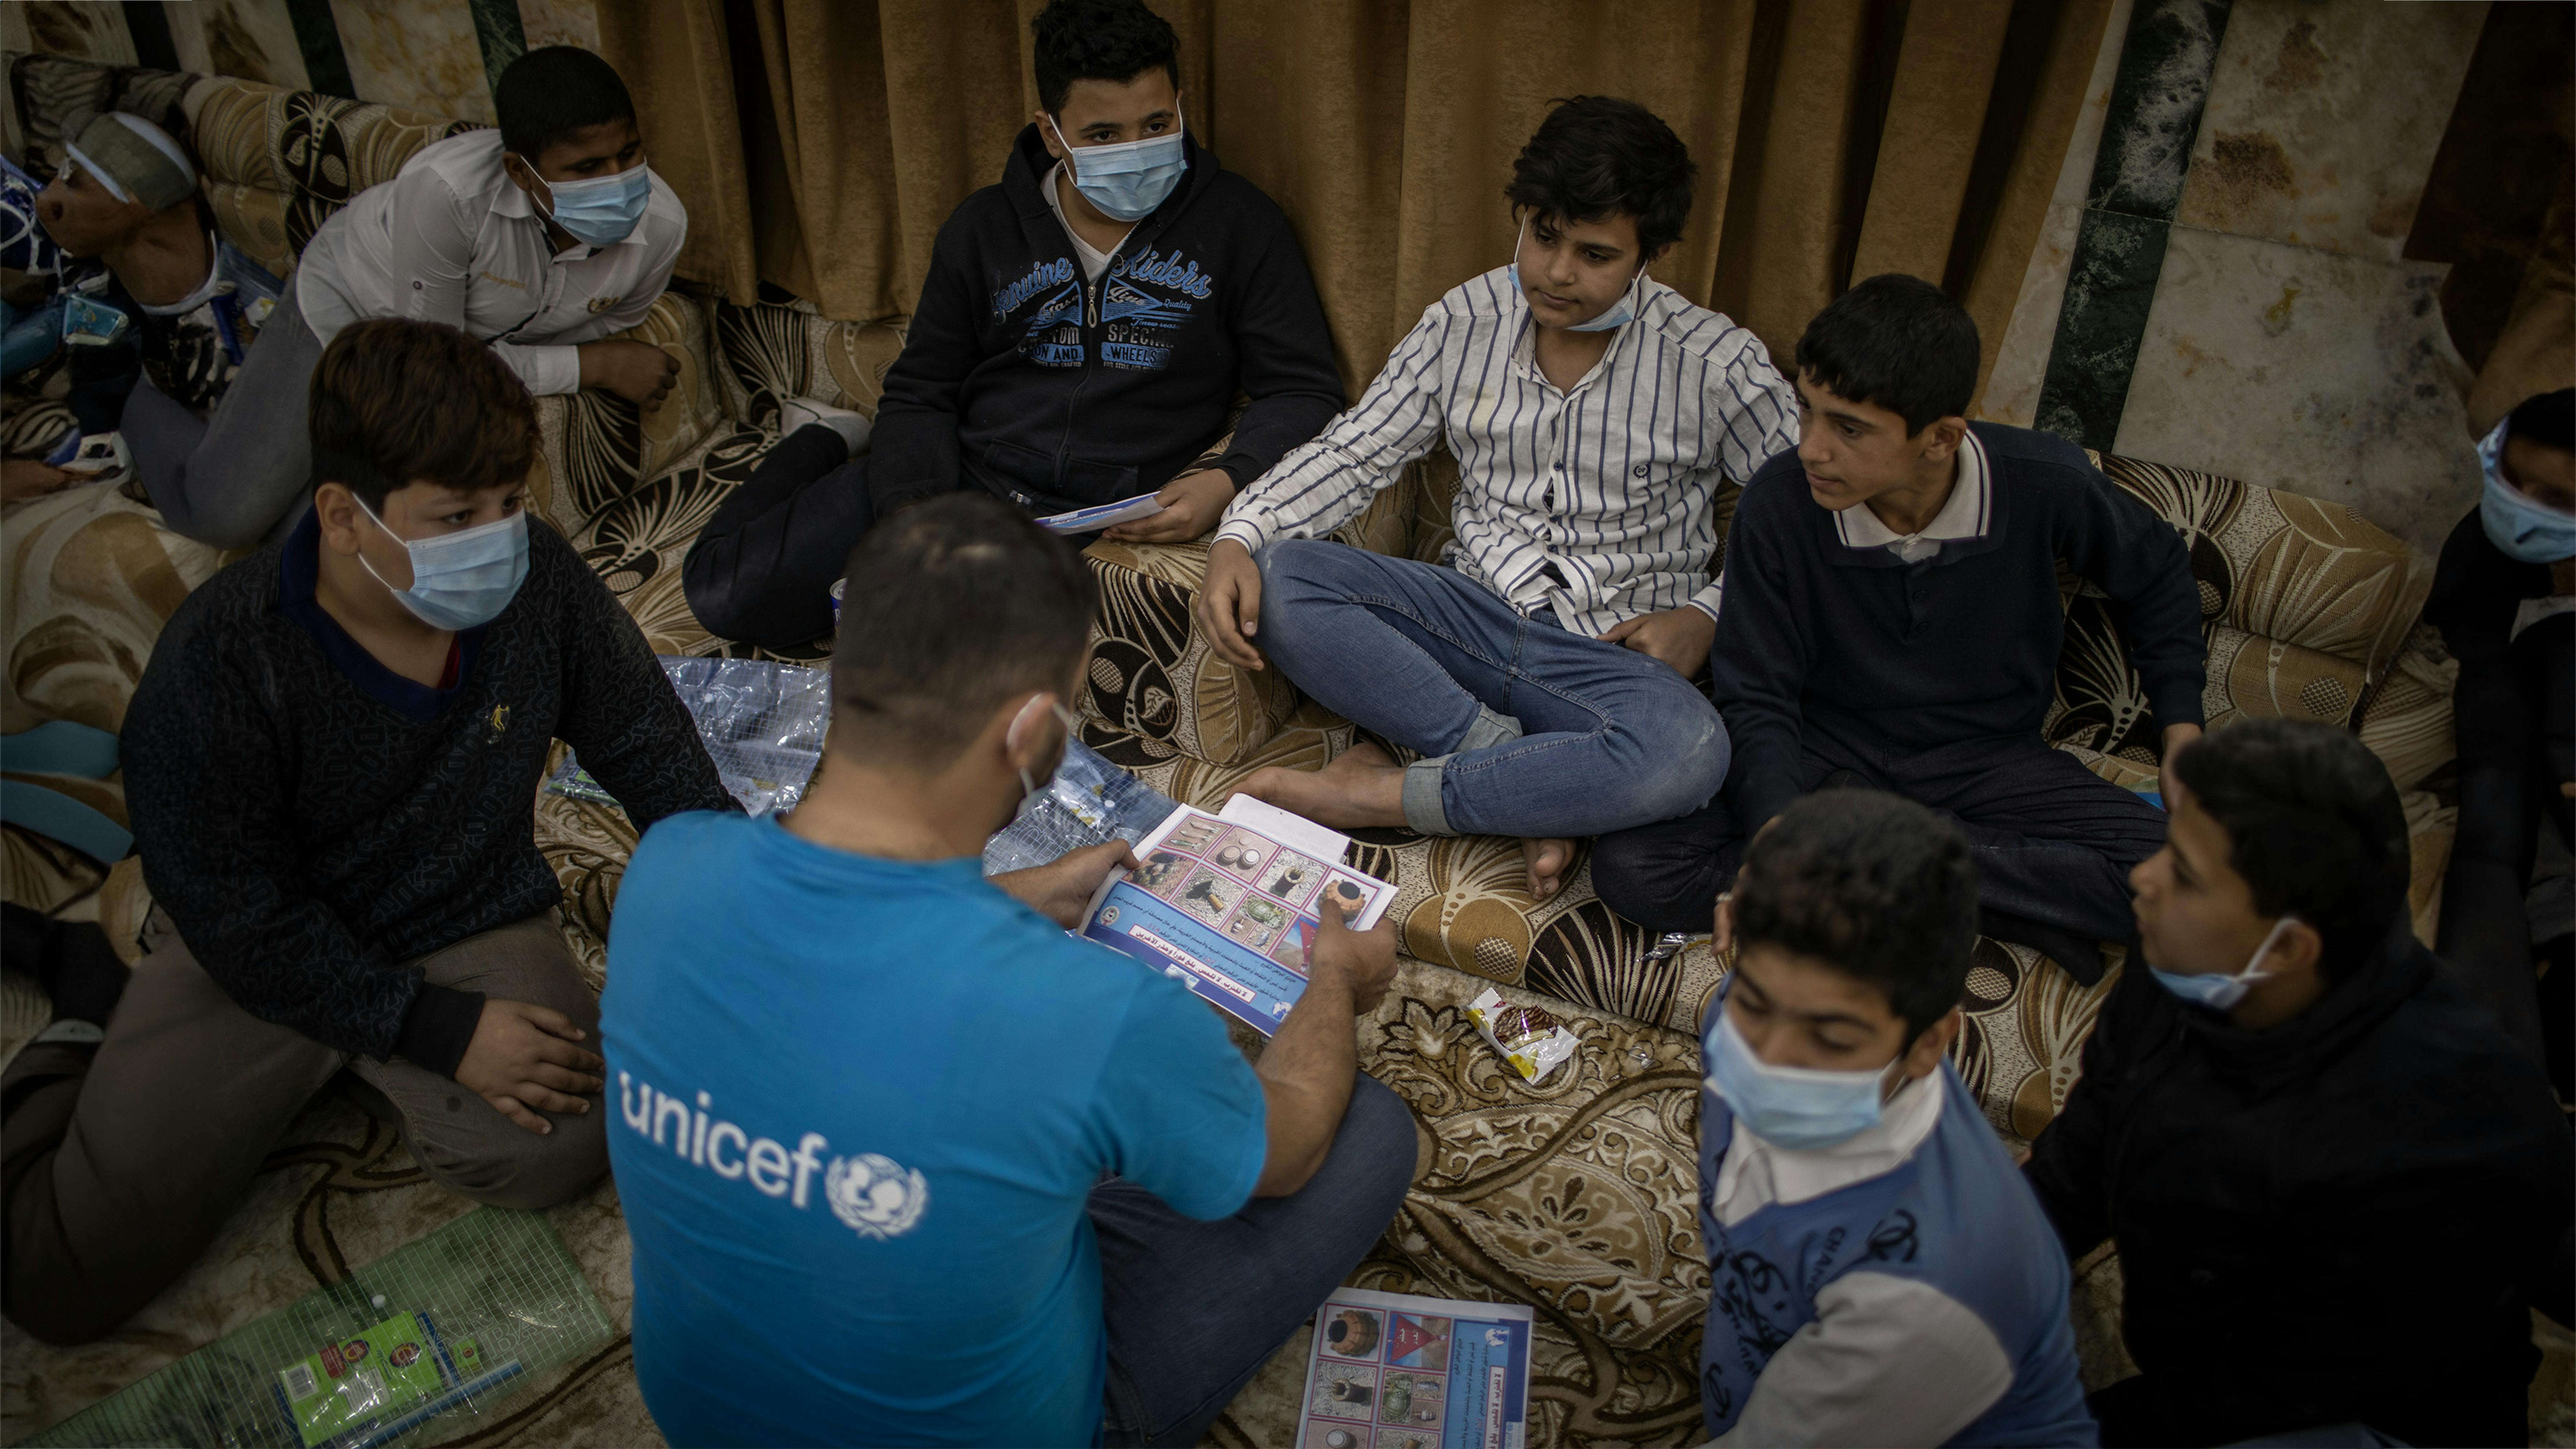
{"x":820,"y":143}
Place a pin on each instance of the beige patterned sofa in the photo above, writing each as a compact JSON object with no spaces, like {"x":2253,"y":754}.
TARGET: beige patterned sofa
{"x":1578,"y":1196}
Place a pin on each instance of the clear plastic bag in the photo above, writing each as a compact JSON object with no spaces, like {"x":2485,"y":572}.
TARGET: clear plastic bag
{"x":439,"y":1342}
{"x":763,"y":723}
{"x":1089,"y":802}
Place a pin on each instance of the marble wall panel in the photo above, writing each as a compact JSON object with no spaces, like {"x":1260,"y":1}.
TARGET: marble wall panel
{"x":417,"y":53}
{"x":560,"y":22}
{"x":2323,"y":118}
{"x":2312,"y":371}
{"x":252,"y":39}
{"x":2012,"y":388}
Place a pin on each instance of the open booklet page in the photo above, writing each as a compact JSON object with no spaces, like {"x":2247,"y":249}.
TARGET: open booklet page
{"x":1228,"y":904}
{"x":1393,"y":1371}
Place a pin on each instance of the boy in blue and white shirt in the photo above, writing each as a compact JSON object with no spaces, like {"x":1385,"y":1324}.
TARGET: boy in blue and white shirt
{"x":1879,"y":1273}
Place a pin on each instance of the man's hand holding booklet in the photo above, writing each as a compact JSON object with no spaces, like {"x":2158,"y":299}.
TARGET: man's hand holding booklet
{"x":1232,"y":904}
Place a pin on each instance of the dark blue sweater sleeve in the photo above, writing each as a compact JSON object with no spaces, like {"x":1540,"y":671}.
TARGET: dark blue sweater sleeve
{"x":620,"y":713}
{"x":2139,"y":560}
{"x":913,"y":449}
{"x":1285,"y":357}
{"x":1759,"y":662}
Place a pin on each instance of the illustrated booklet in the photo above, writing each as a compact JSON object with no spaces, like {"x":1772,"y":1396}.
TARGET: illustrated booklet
{"x":1393,"y":1371}
{"x":1227,"y":904}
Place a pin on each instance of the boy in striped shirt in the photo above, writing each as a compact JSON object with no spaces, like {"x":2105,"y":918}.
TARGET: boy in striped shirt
{"x":1543,"y":670}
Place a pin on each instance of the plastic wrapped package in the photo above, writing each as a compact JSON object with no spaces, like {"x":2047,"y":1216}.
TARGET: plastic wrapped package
{"x":763,"y":723}
{"x":1089,"y":802}
{"x":437,"y":1342}
{"x":1534,"y":1042}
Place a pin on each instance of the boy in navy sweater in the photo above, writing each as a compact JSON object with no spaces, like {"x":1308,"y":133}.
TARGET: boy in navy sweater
{"x":1086,"y":328}
{"x":1879,"y":1273}
{"x":1892,"y":619}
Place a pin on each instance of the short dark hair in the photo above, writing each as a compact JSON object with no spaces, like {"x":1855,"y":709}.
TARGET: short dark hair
{"x":553,"y":91}
{"x":1595,"y":157}
{"x":951,"y":608}
{"x":1872,"y":884}
{"x":2548,"y":419}
{"x":1110,"y":40}
{"x":393,"y":402}
{"x":2313,"y":824}
{"x":1896,"y":342}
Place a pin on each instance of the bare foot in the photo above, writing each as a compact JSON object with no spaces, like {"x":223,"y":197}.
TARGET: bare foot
{"x":1547,"y":860}
{"x":1363,"y":786}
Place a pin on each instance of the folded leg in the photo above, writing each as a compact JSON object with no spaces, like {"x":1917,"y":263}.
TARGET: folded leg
{"x":762,"y":569}
{"x":463,"y":1142}
{"x":122,"y":1162}
{"x":1194,"y":1308}
{"x":2053,"y":841}
{"x":1526,"y":729}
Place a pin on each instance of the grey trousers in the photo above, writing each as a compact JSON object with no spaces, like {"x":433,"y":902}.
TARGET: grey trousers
{"x":234,"y":479}
{"x":119,"y":1164}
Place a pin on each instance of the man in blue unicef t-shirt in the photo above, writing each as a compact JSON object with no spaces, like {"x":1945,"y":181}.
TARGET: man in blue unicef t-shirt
{"x":905,"y":1163}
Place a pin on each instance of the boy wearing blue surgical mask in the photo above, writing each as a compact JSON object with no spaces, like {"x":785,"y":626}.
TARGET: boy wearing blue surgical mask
{"x":330,"y":767}
{"x":2504,"y":598}
{"x":544,"y":238}
{"x":1879,"y":1273}
{"x":1085,"y":332}
{"x":2335,"y":1189}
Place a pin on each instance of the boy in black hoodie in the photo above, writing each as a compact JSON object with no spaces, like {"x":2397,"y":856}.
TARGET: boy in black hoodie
{"x":1085,"y":330}
{"x":2334,"y":1187}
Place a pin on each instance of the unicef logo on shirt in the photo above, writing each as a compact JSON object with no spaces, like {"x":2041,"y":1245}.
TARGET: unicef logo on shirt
{"x":875,"y":1195}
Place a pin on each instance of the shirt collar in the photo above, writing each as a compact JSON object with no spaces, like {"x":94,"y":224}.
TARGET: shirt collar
{"x":1757,"y":1173}
{"x":1966,"y":514}
{"x":299,"y":568}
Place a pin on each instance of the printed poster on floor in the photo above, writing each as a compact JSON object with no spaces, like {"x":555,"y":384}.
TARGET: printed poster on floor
{"x":1393,"y":1371}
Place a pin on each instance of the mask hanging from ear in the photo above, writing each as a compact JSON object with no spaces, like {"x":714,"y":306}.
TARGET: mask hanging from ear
{"x":1617,"y":314}
{"x":2218,"y":992}
{"x":1029,"y":789}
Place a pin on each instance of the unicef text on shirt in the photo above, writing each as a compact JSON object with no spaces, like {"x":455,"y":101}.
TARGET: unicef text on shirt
{"x":875,"y":1196}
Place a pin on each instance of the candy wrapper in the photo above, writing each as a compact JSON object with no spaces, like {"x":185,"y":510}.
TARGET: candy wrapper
{"x":1525,"y":1036}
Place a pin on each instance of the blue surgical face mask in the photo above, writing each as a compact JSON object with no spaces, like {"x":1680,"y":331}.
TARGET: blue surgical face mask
{"x":1617,"y":314}
{"x":1127,"y":181}
{"x":460,"y":579}
{"x":603,"y":210}
{"x":2218,"y":992}
{"x":1798,"y":1108}
{"x":2524,"y":527}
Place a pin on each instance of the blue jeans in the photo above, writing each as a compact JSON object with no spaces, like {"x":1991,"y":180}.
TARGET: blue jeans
{"x":1193,"y":1309}
{"x":1525,"y":729}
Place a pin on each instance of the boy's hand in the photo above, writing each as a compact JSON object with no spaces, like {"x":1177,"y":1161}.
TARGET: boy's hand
{"x":1192,"y":503}
{"x":1364,"y":961}
{"x":523,"y":1056}
{"x":639,"y":372}
{"x":1060,"y":889}
{"x":1229,"y":603}
{"x":2176,"y":736}
{"x":1679,"y":637}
